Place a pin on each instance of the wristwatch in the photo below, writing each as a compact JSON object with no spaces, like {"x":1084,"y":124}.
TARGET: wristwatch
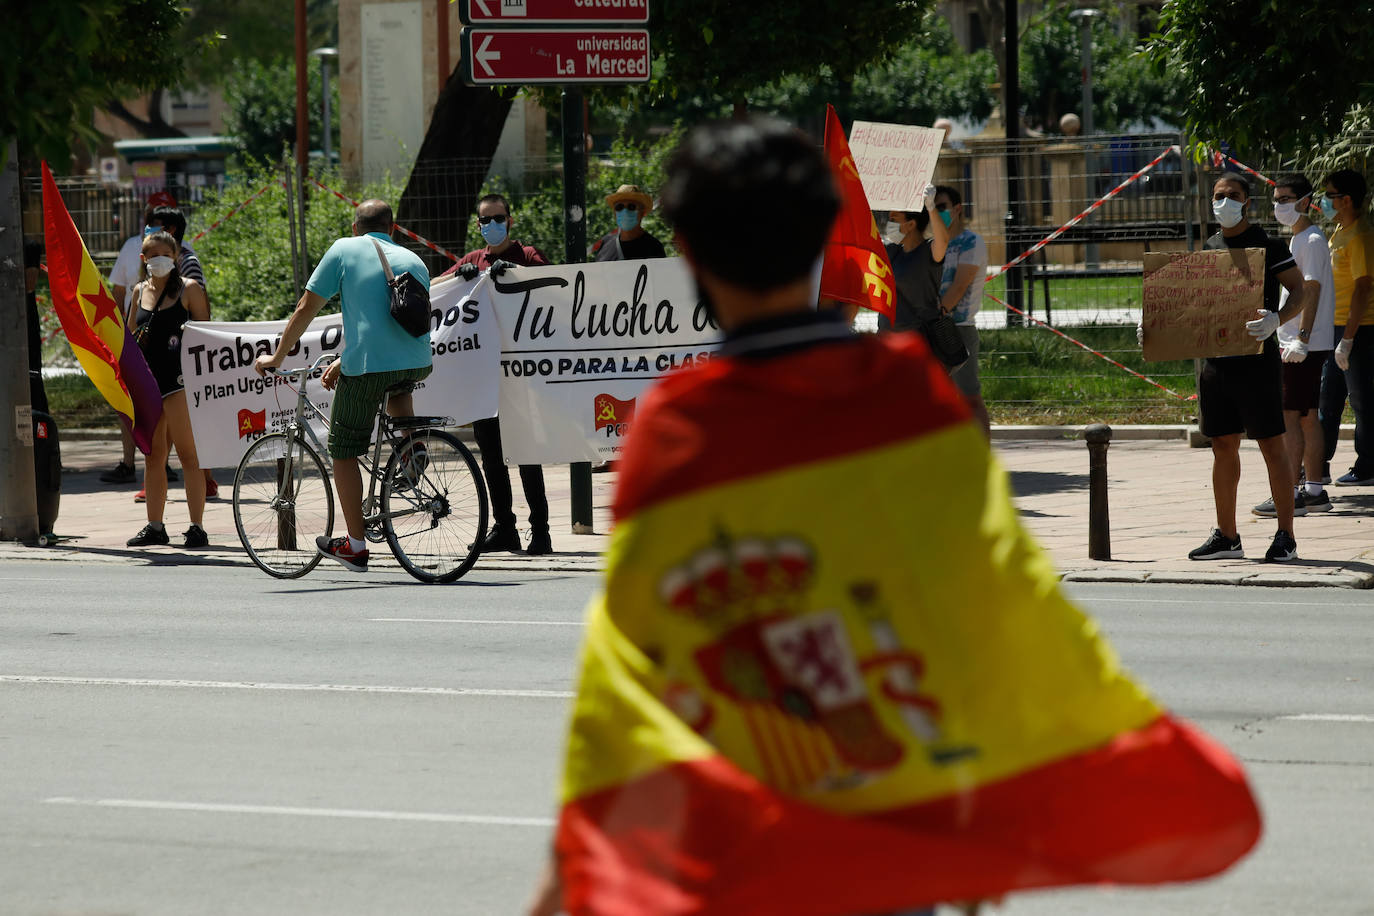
{"x":1303,"y":334}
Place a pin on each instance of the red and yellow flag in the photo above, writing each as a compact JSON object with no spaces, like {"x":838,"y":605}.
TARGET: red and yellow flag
{"x":856,"y":267}
{"x":94,"y":324}
{"x":817,"y":684}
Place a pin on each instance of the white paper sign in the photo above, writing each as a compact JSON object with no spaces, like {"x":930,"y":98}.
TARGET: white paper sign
{"x":895,"y":162}
{"x":231,"y":406}
{"x":581,"y":343}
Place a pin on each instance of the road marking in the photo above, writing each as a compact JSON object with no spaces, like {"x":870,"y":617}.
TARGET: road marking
{"x":1328,"y":717}
{"x":1089,"y":600}
{"x":513,"y":623}
{"x":259,"y":685}
{"x":213,"y":808}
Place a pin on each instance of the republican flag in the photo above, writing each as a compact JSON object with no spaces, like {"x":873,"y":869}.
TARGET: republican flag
{"x":856,"y":268}
{"x":790,"y":705}
{"x":93,"y":324}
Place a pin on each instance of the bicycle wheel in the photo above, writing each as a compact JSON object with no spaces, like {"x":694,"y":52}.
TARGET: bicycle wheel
{"x":278,"y":510}
{"x":434,"y":507}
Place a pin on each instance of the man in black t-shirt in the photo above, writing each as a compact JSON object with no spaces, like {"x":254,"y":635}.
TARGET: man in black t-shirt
{"x":1244,"y":394}
{"x":629,"y":241}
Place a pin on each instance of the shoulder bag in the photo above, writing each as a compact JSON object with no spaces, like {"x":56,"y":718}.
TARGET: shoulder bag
{"x":409,"y":298}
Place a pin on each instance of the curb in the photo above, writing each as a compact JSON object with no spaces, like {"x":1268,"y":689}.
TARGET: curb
{"x":1263,"y":579}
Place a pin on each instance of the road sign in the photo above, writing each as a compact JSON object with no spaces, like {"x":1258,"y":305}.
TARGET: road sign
{"x":552,"y":12}
{"x":569,"y":56}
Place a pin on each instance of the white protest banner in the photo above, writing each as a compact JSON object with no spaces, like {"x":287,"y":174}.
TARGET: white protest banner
{"x":895,"y":162}
{"x":231,"y":406}
{"x":581,"y":343}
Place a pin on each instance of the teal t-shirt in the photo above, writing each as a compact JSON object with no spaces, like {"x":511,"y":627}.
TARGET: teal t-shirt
{"x":373,"y":341}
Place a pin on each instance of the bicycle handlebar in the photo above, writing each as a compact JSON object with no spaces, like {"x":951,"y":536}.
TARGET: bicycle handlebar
{"x":324,"y":360}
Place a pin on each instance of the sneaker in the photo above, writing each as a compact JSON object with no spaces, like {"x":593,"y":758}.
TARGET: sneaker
{"x":540,"y":544}
{"x":1351,"y":479}
{"x":414,"y":460}
{"x":149,"y":536}
{"x":499,"y":539}
{"x":120,"y":473}
{"x":1318,"y":503}
{"x":172,"y":475}
{"x":1283,"y":548}
{"x":1218,"y":547}
{"x":196,"y":537}
{"x":1266,"y":508}
{"x":211,"y":488}
{"x":142,"y":495}
{"x":338,"y":549}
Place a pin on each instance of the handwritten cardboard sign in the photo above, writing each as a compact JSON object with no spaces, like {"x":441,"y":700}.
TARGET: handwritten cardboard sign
{"x":895,"y":162}
{"x":1196,"y":303}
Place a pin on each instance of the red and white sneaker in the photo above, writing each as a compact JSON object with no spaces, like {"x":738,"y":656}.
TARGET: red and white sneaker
{"x":338,"y":549}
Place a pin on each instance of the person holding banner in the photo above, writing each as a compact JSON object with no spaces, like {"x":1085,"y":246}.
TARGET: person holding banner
{"x":917,"y":264}
{"x":629,"y":241}
{"x":503,"y":252}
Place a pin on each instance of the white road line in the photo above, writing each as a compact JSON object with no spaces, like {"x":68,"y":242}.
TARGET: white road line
{"x":1328,"y":717}
{"x":260,"y":685}
{"x":1090,"y":600}
{"x":520,"y":623}
{"x":212,"y":808}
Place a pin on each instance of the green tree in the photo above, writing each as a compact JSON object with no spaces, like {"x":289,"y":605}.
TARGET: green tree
{"x":1266,"y":77}
{"x":262,"y":108}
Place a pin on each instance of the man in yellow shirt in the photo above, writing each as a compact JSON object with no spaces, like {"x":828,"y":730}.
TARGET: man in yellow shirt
{"x":1352,"y":364}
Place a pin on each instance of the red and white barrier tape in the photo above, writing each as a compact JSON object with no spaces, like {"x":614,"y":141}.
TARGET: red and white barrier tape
{"x":399,"y":228}
{"x":1245,"y":168}
{"x":216,"y":224}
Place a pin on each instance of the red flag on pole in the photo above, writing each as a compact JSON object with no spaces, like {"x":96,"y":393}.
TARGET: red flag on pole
{"x":856,"y":267}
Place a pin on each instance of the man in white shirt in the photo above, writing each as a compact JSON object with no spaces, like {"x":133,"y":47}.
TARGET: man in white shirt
{"x":1306,"y":341}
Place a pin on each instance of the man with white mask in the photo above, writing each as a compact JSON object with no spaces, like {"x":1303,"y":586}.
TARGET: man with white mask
{"x":1305,"y":343}
{"x":1244,"y":394}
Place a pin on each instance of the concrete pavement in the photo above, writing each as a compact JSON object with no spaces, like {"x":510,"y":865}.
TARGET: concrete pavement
{"x":1159,"y":494}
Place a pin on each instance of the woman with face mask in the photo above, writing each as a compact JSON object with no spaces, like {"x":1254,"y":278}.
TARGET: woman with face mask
{"x":163,"y":302}
{"x":917,"y":263}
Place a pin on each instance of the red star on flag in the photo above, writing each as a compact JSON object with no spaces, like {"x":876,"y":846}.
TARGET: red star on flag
{"x":105,"y":307}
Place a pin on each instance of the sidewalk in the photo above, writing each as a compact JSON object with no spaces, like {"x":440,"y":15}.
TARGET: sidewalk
{"x":1159,"y":494}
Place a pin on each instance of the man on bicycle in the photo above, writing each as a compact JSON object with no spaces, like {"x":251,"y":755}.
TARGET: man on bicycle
{"x":378,"y":355}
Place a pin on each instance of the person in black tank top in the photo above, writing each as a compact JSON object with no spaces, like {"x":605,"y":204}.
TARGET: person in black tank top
{"x":163,"y":303}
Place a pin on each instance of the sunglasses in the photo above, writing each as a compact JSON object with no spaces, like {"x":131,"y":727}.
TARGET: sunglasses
{"x":624,"y":206}
{"x":489,"y":219}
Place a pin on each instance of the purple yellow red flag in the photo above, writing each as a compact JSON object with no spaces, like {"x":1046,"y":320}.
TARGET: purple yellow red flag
{"x":94,"y":325}
{"x":856,"y":267}
{"x":817,"y":685}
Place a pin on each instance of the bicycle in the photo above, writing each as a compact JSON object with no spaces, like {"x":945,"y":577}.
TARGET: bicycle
{"x":428,"y":501}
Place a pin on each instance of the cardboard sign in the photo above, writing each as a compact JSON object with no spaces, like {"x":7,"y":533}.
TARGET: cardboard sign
{"x":1196,"y":303}
{"x":895,"y":162}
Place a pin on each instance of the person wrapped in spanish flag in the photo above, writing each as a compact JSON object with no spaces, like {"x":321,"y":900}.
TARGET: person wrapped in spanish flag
{"x":814,"y":684}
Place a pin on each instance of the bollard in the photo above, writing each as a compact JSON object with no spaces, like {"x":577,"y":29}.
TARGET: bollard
{"x":1098,"y":436}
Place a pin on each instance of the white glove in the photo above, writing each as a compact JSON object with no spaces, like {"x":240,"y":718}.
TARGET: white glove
{"x":929,"y":198}
{"x":1295,"y":351}
{"x":1343,"y":352}
{"x":1267,"y":323}
{"x":1140,"y":335}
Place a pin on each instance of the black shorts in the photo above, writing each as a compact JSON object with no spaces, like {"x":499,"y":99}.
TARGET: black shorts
{"x":1302,"y":382}
{"x":1241,"y":394}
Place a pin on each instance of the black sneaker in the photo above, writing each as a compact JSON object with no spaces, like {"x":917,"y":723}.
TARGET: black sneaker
{"x":172,"y":475}
{"x":499,"y":539}
{"x":1319,"y":503}
{"x":149,"y":537}
{"x":1218,"y":547}
{"x":411,"y":467}
{"x":540,"y":544}
{"x":196,"y":537}
{"x":338,"y":549}
{"x":120,"y":473}
{"x":1282,"y":549}
{"x":1300,"y":507}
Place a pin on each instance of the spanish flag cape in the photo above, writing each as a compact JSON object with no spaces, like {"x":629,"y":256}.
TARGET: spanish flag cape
{"x":830,"y":673}
{"x":93,"y":323}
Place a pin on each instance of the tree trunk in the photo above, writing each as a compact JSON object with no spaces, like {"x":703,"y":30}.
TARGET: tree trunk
{"x":441,"y":193}
{"x":153,"y":125}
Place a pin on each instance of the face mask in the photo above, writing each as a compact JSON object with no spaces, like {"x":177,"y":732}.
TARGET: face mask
{"x":893,"y":232}
{"x":160,"y":266}
{"x":946,"y":217}
{"x":1286,"y":214}
{"x":1328,"y":208}
{"x":494,"y":232}
{"x":626,"y":220}
{"x":1228,"y":212}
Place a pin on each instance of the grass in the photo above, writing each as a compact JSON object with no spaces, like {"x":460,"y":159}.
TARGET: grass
{"x":75,"y":404}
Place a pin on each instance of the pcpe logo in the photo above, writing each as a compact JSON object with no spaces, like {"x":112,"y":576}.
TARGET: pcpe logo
{"x":252,"y":423}
{"x":613,"y":414}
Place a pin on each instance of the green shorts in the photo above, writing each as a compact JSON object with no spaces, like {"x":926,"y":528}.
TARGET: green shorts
{"x":356,"y":400}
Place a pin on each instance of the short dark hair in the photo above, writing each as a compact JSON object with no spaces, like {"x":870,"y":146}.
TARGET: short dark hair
{"x":1295,"y":182}
{"x":954,"y":197}
{"x":921,"y":217}
{"x":1235,"y":178}
{"x":33,"y":253}
{"x":163,"y":237}
{"x":495,"y":199}
{"x":773,"y":166}
{"x":171,"y":219}
{"x":373,"y":216}
{"x":1349,"y":181}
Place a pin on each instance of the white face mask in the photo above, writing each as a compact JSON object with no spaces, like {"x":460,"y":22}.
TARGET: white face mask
{"x":893,"y":232}
{"x":160,"y":266}
{"x":1286,"y":213}
{"x":1228,"y":212}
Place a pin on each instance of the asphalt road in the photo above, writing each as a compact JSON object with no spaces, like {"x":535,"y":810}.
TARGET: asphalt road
{"x":179,"y":740}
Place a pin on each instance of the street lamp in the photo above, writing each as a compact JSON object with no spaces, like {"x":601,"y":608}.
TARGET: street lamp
{"x":326,"y":55}
{"x":1084,"y":17}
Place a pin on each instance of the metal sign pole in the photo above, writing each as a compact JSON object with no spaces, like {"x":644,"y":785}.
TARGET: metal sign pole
{"x":575,"y":252}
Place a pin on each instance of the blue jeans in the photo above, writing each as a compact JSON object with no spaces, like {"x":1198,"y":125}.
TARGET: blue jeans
{"x":1357,"y":383}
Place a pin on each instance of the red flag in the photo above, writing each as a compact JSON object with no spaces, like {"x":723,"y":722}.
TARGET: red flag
{"x":856,"y":266}
{"x":613,"y":411}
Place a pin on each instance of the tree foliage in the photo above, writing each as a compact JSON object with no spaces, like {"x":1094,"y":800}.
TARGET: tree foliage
{"x":1265,"y":77}
{"x":261,"y":116}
